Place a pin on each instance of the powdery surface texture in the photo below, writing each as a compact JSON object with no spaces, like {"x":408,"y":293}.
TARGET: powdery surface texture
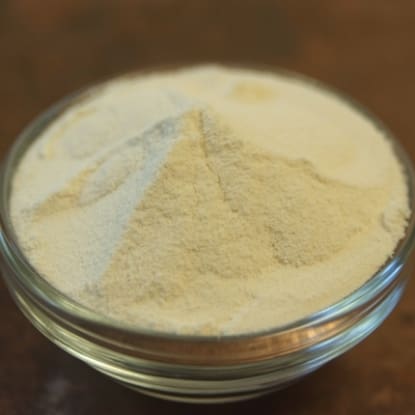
{"x":209,"y":200}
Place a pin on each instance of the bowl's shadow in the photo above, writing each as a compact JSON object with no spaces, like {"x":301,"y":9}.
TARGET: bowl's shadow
{"x":72,"y":387}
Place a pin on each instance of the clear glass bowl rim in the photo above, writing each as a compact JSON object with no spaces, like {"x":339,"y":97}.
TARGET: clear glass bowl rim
{"x":42,"y":289}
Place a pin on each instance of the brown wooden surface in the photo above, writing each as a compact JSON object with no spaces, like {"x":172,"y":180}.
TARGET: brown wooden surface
{"x":49,"y":48}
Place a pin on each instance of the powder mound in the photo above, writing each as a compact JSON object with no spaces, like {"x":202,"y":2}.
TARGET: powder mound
{"x":209,"y":201}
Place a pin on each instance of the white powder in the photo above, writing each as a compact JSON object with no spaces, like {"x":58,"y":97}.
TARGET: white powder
{"x":209,"y":200}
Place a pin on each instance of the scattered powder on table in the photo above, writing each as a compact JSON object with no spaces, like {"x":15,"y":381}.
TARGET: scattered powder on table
{"x":209,"y":200}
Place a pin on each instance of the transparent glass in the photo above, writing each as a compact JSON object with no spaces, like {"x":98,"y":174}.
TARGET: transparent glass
{"x":190,"y":368}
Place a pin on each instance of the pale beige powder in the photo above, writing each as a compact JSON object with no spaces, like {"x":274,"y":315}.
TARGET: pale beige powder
{"x":209,"y":200}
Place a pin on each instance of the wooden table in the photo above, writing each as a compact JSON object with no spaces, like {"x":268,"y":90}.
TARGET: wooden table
{"x":49,"y":48}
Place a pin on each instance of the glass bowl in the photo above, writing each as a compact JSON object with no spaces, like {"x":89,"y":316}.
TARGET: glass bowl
{"x":196,"y":368}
